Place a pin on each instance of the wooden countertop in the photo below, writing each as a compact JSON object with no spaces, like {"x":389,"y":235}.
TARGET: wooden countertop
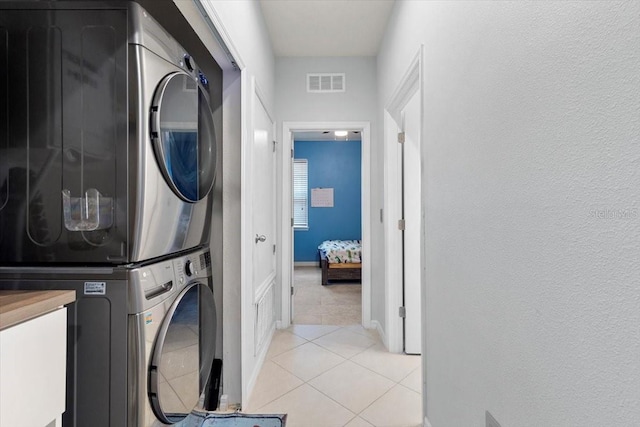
{"x":19,"y":306}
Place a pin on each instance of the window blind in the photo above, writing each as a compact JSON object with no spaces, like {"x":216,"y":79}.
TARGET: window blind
{"x":300,"y":194}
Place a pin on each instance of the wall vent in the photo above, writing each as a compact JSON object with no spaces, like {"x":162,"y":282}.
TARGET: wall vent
{"x":326,"y":82}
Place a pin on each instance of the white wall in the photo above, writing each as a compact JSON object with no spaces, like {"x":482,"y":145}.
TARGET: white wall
{"x":244,"y":32}
{"x":532,"y":133}
{"x":357,"y":103}
{"x":244,"y":24}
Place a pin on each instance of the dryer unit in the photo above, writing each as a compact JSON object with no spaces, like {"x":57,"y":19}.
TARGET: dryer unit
{"x":107,"y":145}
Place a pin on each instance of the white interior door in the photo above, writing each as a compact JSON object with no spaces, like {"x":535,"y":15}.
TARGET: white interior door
{"x":291,"y":290}
{"x":263,"y":200}
{"x":411,"y":197}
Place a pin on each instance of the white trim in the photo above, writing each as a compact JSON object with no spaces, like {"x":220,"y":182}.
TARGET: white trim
{"x":250,"y":366}
{"x":260,"y":95}
{"x":393,"y":237}
{"x":260,"y":358}
{"x":423,"y":240}
{"x":378,"y":327}
{"x":247,"y":86}
{"x":264,"y":287}
{"x":409,"y":85}
{"x":287,"y":235}
{"x":306,"y":264}
{"x":211,"y":15}
{"x":286,"y":230}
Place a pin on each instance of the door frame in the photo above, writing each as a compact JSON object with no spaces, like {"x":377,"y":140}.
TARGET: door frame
{"x":251,"y":356}
{"x":409,"y":85}
{"x":288,"y":128}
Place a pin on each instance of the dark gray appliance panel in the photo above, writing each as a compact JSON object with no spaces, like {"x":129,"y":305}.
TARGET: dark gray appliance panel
{"x":63,"y":126}
{"x":96,"y":343}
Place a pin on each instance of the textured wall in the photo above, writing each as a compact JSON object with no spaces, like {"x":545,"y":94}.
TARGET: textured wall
{"x":330,"y":165}
{"x":532,"y":160}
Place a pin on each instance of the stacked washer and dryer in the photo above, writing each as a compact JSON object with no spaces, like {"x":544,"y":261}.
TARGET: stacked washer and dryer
{"x":107,"y":162}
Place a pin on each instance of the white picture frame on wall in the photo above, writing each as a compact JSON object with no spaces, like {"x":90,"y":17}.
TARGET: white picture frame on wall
{"x":322,"y":197}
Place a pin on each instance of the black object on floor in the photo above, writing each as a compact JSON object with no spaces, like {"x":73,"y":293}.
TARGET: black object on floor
{"x":213,"y":394}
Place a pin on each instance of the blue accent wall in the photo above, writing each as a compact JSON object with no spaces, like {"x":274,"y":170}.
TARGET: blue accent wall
{"x":330,"y":165}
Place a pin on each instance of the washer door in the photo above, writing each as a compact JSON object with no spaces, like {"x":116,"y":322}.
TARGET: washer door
{"x":183,"y":136}
{"x":183,"y":354}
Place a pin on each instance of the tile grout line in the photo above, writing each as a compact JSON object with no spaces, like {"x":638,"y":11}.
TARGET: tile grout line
{"x":329,"y":397}
{"x":363,"y":409}
{"x":307,"y":382}
{"x":357,"y":414}
{"x":343,"y":361}
{"x":282,"y":395}
{"x":347,"y":358}
{"x":342,"y":357}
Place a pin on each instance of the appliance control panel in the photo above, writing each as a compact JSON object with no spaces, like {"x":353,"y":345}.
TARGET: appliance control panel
{"x":154,"y":283}
{"x":190,"y":267}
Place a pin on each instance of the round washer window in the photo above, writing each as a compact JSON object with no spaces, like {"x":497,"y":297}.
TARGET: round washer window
{"x":183,"y":135}
{"x":183,"y":354}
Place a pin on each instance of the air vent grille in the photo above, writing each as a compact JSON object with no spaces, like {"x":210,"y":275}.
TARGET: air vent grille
{"x":326,"y":82}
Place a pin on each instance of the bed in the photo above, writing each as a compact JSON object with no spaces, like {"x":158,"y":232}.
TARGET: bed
{"x":341,"y":260}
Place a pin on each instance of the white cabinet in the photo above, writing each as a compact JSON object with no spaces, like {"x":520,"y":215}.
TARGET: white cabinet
{"x":32,"y":371}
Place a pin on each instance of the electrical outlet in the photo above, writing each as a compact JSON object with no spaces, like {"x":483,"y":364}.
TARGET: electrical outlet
{"x":490,"y":421}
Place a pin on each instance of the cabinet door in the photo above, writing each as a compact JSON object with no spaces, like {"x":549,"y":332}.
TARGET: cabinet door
{"x":33,"y":358}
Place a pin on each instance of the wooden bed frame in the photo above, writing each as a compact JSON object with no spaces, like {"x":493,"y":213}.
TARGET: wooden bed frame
{"x":340,"y":271}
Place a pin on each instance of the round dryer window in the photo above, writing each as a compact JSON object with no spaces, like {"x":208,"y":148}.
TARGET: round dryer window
{"x":183,"y":134}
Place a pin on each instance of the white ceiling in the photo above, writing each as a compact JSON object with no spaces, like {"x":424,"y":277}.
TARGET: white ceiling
{"x":326,"y":27}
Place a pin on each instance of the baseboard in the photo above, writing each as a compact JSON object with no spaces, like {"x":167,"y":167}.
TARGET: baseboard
{"x":306,"y":264}
{"x":258,"y":367}
{"x":426,"y":423}
{"x":378,"y":327}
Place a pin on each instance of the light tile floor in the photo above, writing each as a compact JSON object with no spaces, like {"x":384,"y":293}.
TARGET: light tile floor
{"x":338,"y":303}
{"x":325,"y":376}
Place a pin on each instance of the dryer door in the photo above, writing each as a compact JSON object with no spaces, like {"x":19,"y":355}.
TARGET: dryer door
{"x":183,"y":354}
{"x":183,"y":136}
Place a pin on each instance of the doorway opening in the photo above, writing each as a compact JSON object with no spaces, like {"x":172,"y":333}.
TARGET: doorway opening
{"x":404,"y":193}
{"x":327,"y":193}
{"x":308,"y":271}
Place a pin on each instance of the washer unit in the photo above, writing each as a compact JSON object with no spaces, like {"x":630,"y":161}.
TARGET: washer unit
{"x":108,"y":151}
{"x":172,"y":331}
{"x":141,"y":340}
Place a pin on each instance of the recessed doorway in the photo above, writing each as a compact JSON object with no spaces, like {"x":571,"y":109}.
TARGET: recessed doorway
{"x":307,"y":275}
{"x":327,"y":205}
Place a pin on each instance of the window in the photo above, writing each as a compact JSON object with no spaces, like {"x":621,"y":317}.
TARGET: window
{"x":300,"y":195}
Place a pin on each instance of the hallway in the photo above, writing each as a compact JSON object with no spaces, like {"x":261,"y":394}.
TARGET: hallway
{"x":335,"y":304}
{"x":325,"y":376}
{"x":529,"y":201}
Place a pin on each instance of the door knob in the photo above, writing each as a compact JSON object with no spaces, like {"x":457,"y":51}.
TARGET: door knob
{"x":261,"y":238}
